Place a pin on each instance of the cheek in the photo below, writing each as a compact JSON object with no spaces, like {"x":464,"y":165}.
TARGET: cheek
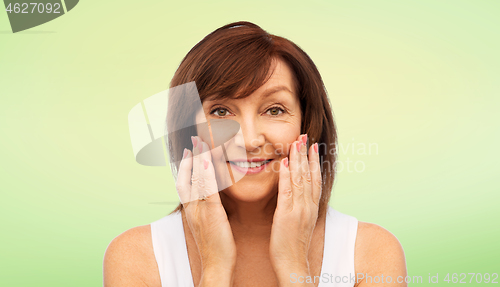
{"x":282,"y":137}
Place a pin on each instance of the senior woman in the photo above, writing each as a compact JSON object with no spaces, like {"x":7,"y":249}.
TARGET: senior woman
{"x":254,"y":209}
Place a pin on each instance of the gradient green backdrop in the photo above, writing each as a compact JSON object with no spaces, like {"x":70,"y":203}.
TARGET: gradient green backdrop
{"x":420,"y":79}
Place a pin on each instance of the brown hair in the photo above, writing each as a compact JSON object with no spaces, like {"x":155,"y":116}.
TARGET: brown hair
{"x":234,"y":61}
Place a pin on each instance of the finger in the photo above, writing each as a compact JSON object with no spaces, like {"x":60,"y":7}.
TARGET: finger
{"x":295,"y":173}
{"x":285,"y":199}
{"x":183,"y":184}
{"x":195,"y":178}
{"x":315,"y":169}
{"x":207,"y":174}
{"x":304,"y":167}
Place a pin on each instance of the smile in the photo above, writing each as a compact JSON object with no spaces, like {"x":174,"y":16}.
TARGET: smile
{"x":250,"y":167}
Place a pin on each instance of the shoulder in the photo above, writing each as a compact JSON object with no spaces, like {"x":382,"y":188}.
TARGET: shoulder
{"x":378,"y":252}
{"x":129,"y":259}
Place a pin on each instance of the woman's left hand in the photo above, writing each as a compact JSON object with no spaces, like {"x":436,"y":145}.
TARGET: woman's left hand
{"x":296,"y":211}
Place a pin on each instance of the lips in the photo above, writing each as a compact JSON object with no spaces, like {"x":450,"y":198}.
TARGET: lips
{"x":250,"y":166}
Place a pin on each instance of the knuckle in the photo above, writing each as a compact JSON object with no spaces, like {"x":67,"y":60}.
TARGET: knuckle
{"x":287,"y":191}
{"x":195,"y":182}
{"x":307,"y":177}
{"x":296,"y":183}
{"x":316,"y":206}
{"x":201,"y":184}
{"x":318,"y":182}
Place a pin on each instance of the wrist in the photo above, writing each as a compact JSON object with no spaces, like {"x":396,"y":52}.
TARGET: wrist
{"x":292,"y":275}
{"x":217,"y":276}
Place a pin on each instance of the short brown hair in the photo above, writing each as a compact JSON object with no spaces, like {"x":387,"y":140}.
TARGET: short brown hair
{"x":232,"y":62}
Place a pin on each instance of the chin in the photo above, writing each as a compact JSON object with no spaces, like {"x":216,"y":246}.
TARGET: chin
{"x":249,"y":191}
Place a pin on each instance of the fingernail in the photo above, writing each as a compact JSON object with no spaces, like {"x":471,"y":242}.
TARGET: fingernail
{"x":316,"y":147}
{"x":185,"y":153}
{"x":195,"y":142}
{"x":285,"y":162}
{"x":200,"y":147}
{"x":298,"y":146}
{"x":304,"y":139}
{"x":205,"y":163}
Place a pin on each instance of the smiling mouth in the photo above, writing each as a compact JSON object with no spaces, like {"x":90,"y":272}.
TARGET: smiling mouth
{"x":246,"y":164}
{"x":249,"y":168}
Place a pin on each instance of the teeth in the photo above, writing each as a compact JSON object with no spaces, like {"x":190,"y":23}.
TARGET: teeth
{"x":245,"y":164}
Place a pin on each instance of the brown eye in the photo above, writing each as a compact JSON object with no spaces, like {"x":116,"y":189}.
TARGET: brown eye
{"x":221,"y":112}
{"x":275,"y":111}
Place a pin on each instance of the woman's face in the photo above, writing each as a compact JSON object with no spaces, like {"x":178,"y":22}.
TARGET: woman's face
{"x":270,"y":120}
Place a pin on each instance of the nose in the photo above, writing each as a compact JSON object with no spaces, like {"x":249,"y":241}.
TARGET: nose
{"x":250,"y":137}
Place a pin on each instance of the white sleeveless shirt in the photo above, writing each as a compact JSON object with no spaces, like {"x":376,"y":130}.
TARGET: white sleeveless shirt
{"x":337,"y":269}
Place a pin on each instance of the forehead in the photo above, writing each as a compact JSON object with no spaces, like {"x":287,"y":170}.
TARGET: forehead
{"x":281,"y":79}
{"x":282,"y":76}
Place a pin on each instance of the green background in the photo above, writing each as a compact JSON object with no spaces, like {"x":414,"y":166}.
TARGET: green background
{"x":417,"y":78}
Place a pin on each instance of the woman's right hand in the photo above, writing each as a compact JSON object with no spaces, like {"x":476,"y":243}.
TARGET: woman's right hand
{"x":207,"y":219}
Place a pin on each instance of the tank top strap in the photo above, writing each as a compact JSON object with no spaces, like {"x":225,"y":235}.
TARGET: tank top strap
{"x":338,"y":254}
{"x":170,"y":250}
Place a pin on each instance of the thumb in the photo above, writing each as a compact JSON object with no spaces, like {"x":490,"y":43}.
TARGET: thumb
{"x":285,"y":198}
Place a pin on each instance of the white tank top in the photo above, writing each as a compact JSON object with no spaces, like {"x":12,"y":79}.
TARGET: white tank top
{"x":337,"y":269}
